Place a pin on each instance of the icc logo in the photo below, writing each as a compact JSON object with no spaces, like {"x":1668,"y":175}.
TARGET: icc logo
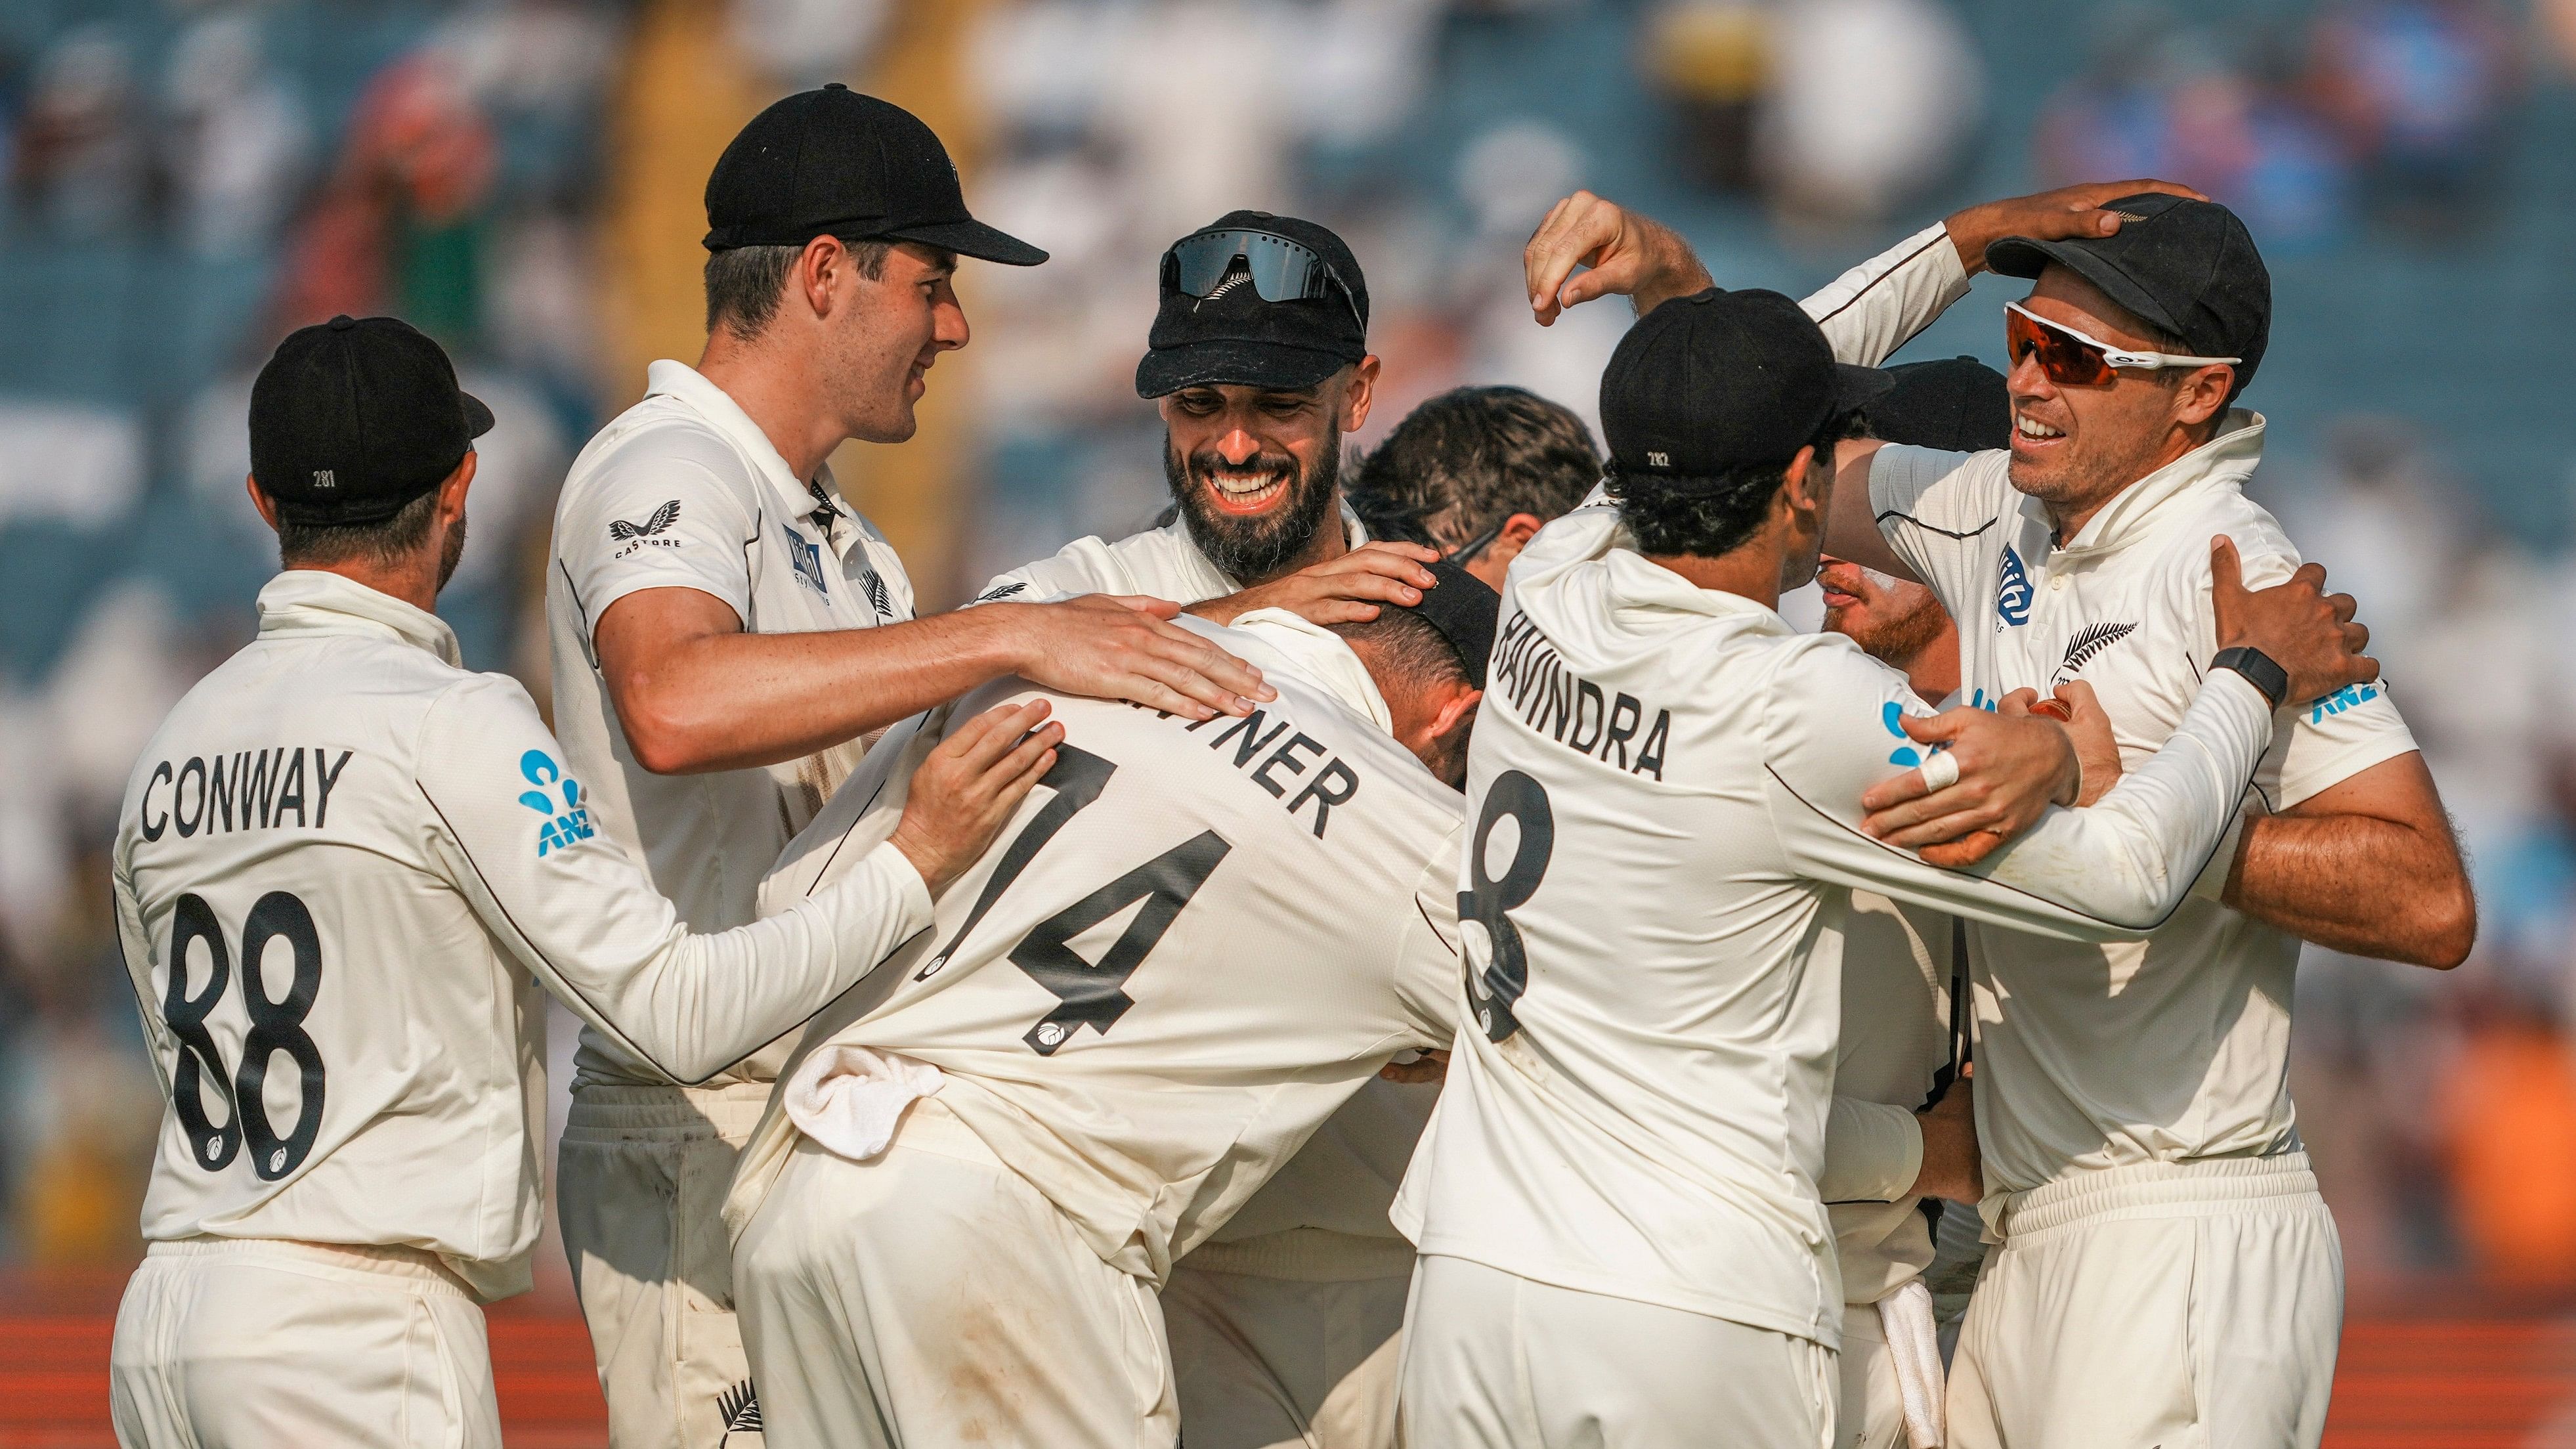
{"x":566,"y":827}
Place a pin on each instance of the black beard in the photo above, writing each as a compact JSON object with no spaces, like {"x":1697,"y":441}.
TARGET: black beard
{"x":1251,"y":549}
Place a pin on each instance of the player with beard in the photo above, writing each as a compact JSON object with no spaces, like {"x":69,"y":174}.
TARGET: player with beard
{"x":1283,"y":1326}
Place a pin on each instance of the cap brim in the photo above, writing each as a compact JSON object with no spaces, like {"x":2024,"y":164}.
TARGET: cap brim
{"x":1166,"y":370}
{"x":478,"y":418}
{"x":2021,"y":256}
{"x":1856,"y":386}
{"x":973,"y":239}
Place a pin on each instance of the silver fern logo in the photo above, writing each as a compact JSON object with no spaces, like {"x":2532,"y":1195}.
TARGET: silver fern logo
{"x":2081,"y":649}
{"x":740,"y":1407}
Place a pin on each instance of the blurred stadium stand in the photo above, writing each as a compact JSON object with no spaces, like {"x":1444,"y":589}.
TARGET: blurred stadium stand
{"x":181,"y":181}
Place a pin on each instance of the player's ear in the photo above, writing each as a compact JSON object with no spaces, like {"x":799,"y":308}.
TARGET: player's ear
{"x":451,"y":492}
{"x":1457,"y":712}
{"x":1361,"y":392}
{"x":260,"y":501}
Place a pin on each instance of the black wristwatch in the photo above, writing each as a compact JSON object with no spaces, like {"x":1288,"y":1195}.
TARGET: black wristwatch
{"x":2258,"y":669}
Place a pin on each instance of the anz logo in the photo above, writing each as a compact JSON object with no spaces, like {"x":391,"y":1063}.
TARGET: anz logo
{"x":566,"y":826}
{"x":2351,"y":696}
{"x":2012,"y":591}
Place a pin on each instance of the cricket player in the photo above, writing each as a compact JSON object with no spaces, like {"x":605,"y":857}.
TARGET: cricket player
{"x":1475,"y":473}
{"x":1617,"y":1202}
{"x":1283,"y":1324}
{"x":1902,"y":1129}
{"x":727,"y":632}
{"x":2165,"y":1271}
{"x":1201,"y":941}
{"x":343,"y":870}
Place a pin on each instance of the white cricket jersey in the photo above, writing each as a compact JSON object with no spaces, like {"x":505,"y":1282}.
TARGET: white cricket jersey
{"x":1163,"y":562}
{"x":1664,"y":792}
{"x":368,"y":860}
{"x":683,"y":490}
{"x":2176,"y":1047}
{"x":1895,"y":1040}
{"x":1198,"y":939}
{"x":1345,"y":1177}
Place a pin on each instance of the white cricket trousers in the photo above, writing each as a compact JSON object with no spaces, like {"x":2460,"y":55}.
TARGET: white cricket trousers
{"x":1493,"y":1360}
{"x":1873,"y":1407}
{"x":640,"y":1187}
{"x":254,"y":1343}
{"x":1283,"y":1363}
{"x":2162,"y":1306}
{"x":930,"y":1297}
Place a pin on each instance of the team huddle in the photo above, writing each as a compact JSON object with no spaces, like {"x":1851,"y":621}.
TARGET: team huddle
{"x":1407,"y":951}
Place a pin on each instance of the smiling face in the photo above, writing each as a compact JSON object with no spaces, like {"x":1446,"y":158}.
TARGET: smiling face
{"x":2076,"y":446}
{"x":1257,"y":471}
{"x":883,"y":341}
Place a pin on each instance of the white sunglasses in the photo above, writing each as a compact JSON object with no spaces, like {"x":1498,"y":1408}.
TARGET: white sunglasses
{"x":2056,"y":361}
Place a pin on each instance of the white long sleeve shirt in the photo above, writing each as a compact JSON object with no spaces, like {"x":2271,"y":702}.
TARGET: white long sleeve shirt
{"x":1323,"y":1215}
{"x":343,"y":869}
{"x":1663,"y":797}
{"x":1196,"y":941}
{"x":1894,"y":1040}
{"x":683,"y":490}
{"x":2176,"y":1047}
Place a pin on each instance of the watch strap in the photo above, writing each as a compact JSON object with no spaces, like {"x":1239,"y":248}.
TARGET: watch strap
{"x":2259,"y":670}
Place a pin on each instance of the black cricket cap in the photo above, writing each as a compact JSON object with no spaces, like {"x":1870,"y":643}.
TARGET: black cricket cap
{"x":1465,"y":609}
{"x":833,"y":162}
{"x":1722,"y":380}
{"x":1957,"y":404}
{"x":2188,"y":267}
{"x":351,"y":419}
{"x":1235,"y":337}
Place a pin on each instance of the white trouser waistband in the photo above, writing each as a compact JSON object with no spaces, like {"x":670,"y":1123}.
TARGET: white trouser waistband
{"x":412,"y":1265}
{"x":629,"y":1113}
{"x":2205,"y":1187}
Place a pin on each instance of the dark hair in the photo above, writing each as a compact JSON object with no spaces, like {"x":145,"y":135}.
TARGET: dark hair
{"x":1470,"y":458}
{"x":385,"y":542}
{"x":1707,"y":517}
{"x":745,"y":283}
{"x":1407,"y":646}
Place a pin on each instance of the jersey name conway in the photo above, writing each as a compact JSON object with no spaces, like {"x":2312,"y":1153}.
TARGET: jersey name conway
{"x":683,"y":490}
{"x":1344,"y":1178}
{"x":1197,"y":940}
{"x":343,"y":867}
{"x":1654,"y":937}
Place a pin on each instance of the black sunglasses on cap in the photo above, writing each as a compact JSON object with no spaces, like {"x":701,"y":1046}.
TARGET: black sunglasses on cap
{"x":1281,"y":270}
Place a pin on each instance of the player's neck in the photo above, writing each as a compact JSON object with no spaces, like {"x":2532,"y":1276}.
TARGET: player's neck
{"x":776,"y":389}
{"x":1933,"y":672}
{"x":1751,"y":571}
{"x":415,"y":581}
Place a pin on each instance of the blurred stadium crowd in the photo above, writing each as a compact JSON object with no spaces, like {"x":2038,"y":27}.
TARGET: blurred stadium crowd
{"x":183,"y":181}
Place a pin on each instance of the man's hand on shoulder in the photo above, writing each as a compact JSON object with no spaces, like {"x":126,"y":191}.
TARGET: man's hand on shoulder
{"x":966,"y":791}
{"x":2296,"y":623}
{"x":1112,"y":646}
{"x":1345,"y":590}
{"x":2069,"y":211}
{"x":1629,"y":253}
